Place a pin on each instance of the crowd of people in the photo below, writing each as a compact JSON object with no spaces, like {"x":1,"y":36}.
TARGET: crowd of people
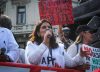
{"x":42,"y":48}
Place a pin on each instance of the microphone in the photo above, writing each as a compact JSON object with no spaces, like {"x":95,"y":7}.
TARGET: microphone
{"x":49,"y":35}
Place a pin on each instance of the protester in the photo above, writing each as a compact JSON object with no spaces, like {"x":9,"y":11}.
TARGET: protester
{"x":8,"y":46}
{"x":84,"y":37}
{"x":64,"y":37}
{"x":43,"y":50}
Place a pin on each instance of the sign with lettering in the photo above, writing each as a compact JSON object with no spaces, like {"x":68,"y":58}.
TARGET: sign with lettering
{"x":56,"y":11}
{"x":94,"y":57}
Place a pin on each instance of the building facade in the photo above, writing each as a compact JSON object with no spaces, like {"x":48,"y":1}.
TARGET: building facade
{"x":24,"y":14}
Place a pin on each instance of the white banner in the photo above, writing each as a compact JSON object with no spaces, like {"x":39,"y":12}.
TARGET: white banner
{"x":94,"y":57}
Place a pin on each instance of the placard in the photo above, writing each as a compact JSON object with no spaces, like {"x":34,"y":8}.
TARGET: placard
{"x":94,"y":57}
{"x":56,"y":11}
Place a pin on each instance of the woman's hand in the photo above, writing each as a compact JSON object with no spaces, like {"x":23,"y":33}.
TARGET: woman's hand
{"x":47,"y":37}
{"x":84,"y":53}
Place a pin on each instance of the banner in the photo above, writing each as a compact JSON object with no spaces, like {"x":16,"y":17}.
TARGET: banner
{"x":94,"y":57}
{"x":56,"y":11}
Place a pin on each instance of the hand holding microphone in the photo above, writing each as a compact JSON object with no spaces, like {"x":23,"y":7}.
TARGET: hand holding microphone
{"x":49,"y":33}
{"x":47,"y":36}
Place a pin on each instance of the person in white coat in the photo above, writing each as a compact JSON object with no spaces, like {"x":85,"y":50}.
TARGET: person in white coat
{"x":43,"y":50}
{"x":84,"y":37}
{"x":8,"y":46}
{"x":64,"y":35}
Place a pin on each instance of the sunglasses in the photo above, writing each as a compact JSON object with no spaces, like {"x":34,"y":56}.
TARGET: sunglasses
{"x":66,"y":31}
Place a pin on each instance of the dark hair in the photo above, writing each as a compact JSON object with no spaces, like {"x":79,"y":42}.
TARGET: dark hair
{"x":38,"y":39}
{"x":5,"y":21}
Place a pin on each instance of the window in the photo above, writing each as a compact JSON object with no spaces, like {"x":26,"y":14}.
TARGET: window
{"x":21,"y":15}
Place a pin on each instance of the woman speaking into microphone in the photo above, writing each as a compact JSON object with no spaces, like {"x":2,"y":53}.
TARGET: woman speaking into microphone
{"x":43,"y":50}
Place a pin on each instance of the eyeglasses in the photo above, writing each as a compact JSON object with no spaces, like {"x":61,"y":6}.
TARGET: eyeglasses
{"x":44,"y":27}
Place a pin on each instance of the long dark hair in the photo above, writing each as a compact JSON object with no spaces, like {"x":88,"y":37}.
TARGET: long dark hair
{"x":38,"y":39}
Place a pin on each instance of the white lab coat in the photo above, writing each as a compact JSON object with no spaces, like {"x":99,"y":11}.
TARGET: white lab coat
{"x":38,"y":55}
{"x":8,"y":42}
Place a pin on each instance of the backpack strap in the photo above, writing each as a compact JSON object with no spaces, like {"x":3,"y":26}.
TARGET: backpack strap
{"x":50,"y":50}
{"x":77,"y":45}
